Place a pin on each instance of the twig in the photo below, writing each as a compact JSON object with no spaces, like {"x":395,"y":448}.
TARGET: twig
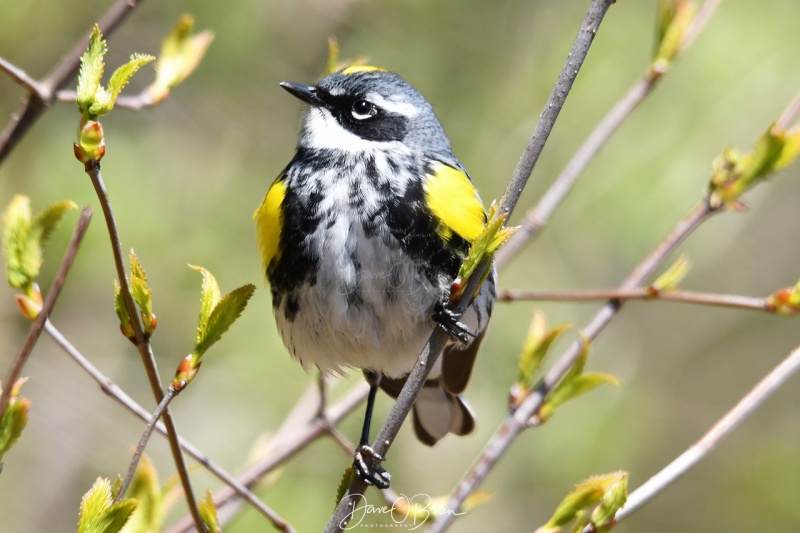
{"x":36,"y":103}
{"x":691,"y":297}
{"x":142,"y":343}
{"x":135,"y":102}
{"x":519,"y":178}
{"x":148,"y":430}
{"x":22,"y":77}
{"x":517,"y":421}
{"x":536,"y":218}
{"x":52,"y":295}
{"x":115,"y":392}
{"x":757,"y":395}
{"x":285,"y":445}
{"x":789,"y":115}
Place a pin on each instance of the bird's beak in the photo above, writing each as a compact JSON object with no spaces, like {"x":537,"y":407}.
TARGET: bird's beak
{"x":306,"y":93}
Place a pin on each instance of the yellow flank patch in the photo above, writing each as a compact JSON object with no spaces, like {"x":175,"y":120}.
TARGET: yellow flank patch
{"x":454,"y":201}
{"x":269,"y":221}
{"x":362,"y":68}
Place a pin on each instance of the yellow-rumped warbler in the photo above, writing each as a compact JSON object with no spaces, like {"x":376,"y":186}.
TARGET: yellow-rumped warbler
{"x":361,"y":236}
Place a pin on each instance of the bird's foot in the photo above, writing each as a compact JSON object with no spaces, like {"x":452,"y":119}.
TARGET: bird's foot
{"x":447,"y":319}
{"x":367,"y":464}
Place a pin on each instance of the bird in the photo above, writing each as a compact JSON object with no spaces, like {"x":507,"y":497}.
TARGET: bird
{"x":361,"y":237}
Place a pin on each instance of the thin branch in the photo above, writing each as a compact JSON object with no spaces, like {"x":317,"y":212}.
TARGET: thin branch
{"x":288,"y":441}
{"x":22,"y":77}
{"x":37,"y":103}
{"x":52,"y":295}
{"x":135,"y":102}
{"x":789,"y":115}
{"x":112,"y":390}
{"x":142,"y":343}
{"x":519,"y":178}
{"x":642,"y":293}
{"x":537,"y":217}
{"x":724,"y":427}
{"x":148,"y":430}
{"x":517,"y":421}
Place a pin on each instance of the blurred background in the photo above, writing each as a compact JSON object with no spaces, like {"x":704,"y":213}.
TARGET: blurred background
{"x":185,"y":178}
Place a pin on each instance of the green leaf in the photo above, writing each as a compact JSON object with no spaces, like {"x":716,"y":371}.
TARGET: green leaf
{"x":674,"y":18}
{"x":671,"y":278}
{"x":575,"y":383}
{"x":222,"y":317}
{"x":99,"y":515}
{"x":91,"y":71}
{"x":181,"y":53}
{"x":208,"y":513}
{"x":122,"y":313}
{"x":537,"y":344}
{"x":14,"y":419}
{"x":146,"y":489}
{"x":344,"y":484}
{"x":733,"y":173}
{"x":333,"y":56}
{"x":209,"y":296}
{"x":118,"y":80}
{"x":615,"y":496}
{"x":588,"y":493}
{"x":24,"y":237}
{"x":142,"y":294}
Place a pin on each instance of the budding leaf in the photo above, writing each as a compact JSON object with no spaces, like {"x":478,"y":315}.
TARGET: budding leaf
{"x":222,"y":317}
{"x":13,"y":419}
{"x":24,"y":236}
{"x":146,"y":489}
{"x":181,"y":53}
{"x":91,"y":71}
{"x":209,"y":295}
{"x":588,"y":493}
{"x":537,"y":345}
{"x":94,"y":100}
{"x":98,"y":513}
{"x":669,"y":280}
{"x":208,"y":513}
{"x":674,"y":18}
{"x":733,"y":172}
{"x":344,"y":483}
{"x":785,"y":301}
{"x":575,"y":383}
{"x":142,"y":294}
{"x":485,"y":245}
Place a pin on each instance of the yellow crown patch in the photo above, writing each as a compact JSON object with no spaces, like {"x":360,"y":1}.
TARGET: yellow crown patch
{"x":361,"y":68}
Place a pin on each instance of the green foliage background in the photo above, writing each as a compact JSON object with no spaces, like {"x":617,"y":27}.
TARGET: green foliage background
{"x":185,"y":178}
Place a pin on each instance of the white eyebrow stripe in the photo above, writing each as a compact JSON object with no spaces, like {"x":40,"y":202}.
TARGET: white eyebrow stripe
{"x":393,"y":105}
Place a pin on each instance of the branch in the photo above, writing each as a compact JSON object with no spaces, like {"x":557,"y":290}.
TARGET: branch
{"x":142,"y":343}
{"x":47,"y":307}
{"x":288,"y":441}
{"x":641,"y":293}
{"x":37,"y":103}
{"x":135,"y":102}
{"x":536,"y":218}
{"x":724,"y":427}
{"x":517,"y":421}
{"x":112,"y":390}
{"x":519,"y":178}
{"x":22,"y":77}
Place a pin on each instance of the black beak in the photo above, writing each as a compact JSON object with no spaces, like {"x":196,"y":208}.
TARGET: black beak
{"x":306,"y":93}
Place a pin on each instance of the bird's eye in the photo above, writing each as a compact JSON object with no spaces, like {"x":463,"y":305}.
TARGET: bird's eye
{"x":363,"y":110}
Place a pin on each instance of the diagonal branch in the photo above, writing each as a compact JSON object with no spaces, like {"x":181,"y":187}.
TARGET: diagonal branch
{"x":517,"y":421}
{"x":438,"y":339}
{"x":115,"y":392}
{"x":537,"y":217}
{"x":47,"y":307}
{"x":141,"y":341}
{"x":724,"y":427}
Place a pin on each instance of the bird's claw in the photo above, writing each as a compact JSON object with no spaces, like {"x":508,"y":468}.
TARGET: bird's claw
{"x":447,"y":319}
{"x":367,"y":464}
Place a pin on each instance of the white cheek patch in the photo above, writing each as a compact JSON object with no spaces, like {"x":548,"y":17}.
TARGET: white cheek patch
{"x":323,"y":131}
{"x":393,"y":104}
